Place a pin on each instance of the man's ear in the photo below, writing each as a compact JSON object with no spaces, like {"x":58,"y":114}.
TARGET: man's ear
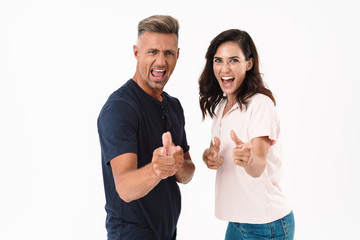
{"x":136,"y":51}
{"x":178,"y":52}
{"x":249,"y":64}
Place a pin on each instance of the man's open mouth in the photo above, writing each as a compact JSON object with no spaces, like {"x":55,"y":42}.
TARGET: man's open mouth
{"x":158,"y":73}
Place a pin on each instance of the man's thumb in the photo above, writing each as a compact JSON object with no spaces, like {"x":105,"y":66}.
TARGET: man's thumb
{"x":235,"y":138}
{"x":166,"y":141}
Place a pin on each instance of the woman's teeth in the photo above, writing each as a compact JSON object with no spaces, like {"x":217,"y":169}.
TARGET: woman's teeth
{"x":227,"y":78}
{"x":227,"y":81}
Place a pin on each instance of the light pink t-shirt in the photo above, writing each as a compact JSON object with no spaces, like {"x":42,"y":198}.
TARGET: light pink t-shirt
{"x":238,"y":196}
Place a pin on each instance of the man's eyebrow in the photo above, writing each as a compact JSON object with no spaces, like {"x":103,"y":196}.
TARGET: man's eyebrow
{"x":157,"y":50}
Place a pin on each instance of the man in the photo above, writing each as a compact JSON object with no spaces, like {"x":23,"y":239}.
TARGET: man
{"x":139,"y":127}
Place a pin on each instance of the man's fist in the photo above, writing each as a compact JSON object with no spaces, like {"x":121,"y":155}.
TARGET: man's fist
{"x":168,"y":159}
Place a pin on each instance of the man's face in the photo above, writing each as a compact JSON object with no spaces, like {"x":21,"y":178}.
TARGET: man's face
{"x":156,"y":54}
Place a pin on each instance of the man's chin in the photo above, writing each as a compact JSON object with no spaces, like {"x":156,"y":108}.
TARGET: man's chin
{"x":157,"y":85}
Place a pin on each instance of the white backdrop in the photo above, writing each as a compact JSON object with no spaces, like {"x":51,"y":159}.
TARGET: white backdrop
{"x":60,"y":60}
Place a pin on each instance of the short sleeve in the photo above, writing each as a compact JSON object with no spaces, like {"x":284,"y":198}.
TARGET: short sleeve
{"x":184,"y":144}
{"x":118,"y":127}
{"x":177,"y":122}
{"x":264,"y":120}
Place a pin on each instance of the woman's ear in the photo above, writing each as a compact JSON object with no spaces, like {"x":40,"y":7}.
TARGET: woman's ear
{"x":249,"y":64}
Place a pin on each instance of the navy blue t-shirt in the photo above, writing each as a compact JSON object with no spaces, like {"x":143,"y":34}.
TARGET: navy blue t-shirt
{"x":132,"y":121}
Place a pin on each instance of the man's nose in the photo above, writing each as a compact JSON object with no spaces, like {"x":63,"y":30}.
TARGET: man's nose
{"x":161,"y":60}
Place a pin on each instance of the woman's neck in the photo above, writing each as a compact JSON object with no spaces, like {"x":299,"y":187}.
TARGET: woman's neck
{"x":229,"y":104}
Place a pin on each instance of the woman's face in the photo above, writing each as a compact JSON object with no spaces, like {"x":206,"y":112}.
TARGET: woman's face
{"x":230,"y":67}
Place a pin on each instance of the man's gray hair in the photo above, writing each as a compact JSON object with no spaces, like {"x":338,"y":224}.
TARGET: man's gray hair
{"x":159,"y":24}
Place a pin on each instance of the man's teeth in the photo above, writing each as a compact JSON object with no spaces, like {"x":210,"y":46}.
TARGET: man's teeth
{"x":158,"y":72}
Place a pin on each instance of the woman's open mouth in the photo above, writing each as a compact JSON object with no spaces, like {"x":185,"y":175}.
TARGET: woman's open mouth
{"x":227,"y":81}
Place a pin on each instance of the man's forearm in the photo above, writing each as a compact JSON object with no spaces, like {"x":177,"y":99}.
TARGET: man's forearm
{"x":186,"y":172}
{"x":135,"y":184}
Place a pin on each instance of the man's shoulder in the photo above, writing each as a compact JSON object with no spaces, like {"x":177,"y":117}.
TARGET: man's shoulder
{"x":126,"y":94}
{"x":171,"y":99}
{"x":126,"y":91}
{"x":120,"y":100}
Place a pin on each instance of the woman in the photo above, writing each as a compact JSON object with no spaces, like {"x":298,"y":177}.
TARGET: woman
{"x":245,"y":149}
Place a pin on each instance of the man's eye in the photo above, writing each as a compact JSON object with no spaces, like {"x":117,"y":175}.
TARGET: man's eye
{"x":234,"y":60}
{"x":169,"y":53}
{"x":152,"y":52}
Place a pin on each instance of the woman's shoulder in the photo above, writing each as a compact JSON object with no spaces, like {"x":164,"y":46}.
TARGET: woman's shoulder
{"x":260,"y":98}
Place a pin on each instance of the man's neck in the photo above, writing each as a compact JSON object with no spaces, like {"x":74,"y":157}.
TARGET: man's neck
{"x":155,"y":93}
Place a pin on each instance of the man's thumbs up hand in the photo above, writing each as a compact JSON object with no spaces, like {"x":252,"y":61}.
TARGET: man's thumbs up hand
{"x":168,"y":159}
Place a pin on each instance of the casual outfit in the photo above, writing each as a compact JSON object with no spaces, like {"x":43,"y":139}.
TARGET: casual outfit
{"x":241,"y":198}
{"x":132,"y":121}
{"x":276,"y":230}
